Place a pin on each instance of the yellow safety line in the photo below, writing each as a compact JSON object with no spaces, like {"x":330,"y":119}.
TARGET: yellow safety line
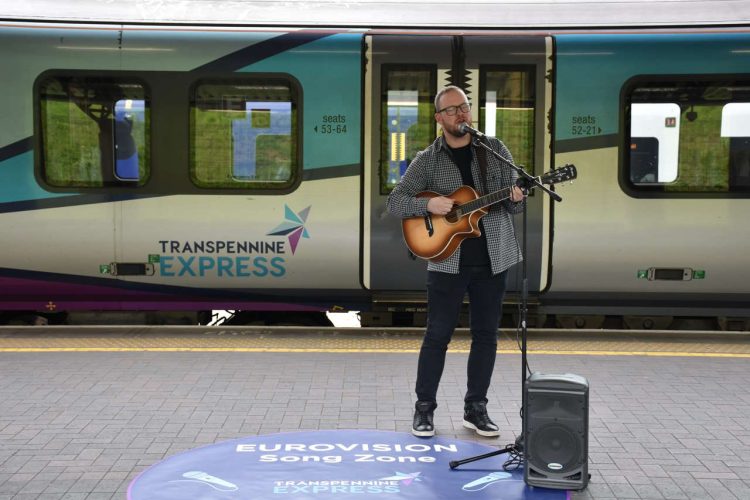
{"x":375,"y":351}
{"x":203,"y":349}
{"x":646,"y":353}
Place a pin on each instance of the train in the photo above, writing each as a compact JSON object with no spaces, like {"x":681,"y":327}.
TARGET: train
{"x":185,"y":157}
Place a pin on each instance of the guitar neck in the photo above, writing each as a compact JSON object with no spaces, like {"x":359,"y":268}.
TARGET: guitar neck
{"x":484,"y":201}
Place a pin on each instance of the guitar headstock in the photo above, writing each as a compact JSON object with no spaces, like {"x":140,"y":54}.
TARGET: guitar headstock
{"x":565,"y":173}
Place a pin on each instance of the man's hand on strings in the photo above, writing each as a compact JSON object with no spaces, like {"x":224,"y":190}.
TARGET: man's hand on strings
{"x":440,"y":205}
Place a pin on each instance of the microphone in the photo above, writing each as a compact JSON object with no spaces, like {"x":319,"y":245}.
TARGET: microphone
{"x":466,"y":129}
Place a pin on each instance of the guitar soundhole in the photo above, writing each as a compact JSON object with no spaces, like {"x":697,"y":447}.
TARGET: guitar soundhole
{"x":453,"y":216}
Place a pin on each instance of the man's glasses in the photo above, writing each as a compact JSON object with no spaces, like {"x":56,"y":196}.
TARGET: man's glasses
{"x":452,"y":110}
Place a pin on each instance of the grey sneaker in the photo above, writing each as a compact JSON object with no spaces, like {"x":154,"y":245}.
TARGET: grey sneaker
{"x":475,"y":417}
{"x":423,"y":413}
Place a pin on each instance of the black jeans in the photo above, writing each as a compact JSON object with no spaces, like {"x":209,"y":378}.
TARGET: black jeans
{"x":445,"y":294}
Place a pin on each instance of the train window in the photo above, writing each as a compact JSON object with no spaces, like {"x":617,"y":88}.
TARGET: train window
{"x":507,"y":97}
{"x":407,"y":118}
{"x":735,"y":125}
{"x":94,"y":131}
{"x":243,"y":134}
{"x":688,"y":136}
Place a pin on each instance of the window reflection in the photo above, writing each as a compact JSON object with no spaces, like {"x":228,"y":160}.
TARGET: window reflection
{"x":407,"y":117}
{"x":700,"y":136}
{"x":243,"y":135}
{"x":94,"y":131}
{"x":507,"y":110}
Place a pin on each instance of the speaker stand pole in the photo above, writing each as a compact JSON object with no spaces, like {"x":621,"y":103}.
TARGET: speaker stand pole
{"x":524,"y":326}
{"x":527,"y":182}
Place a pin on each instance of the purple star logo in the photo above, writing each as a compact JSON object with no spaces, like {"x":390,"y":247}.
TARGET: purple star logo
{"x":293,"y":226}
{"x":405,"y":479}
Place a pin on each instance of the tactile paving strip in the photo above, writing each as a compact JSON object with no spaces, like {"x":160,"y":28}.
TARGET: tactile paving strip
{"x":297,"y":339}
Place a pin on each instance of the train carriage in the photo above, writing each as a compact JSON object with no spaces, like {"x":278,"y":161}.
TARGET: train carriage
{"x":240,"y":159}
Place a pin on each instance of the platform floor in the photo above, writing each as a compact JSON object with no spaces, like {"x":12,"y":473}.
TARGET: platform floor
{"x":84,"y":410}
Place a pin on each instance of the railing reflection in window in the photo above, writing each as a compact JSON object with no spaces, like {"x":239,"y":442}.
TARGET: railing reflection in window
{"x":244,"y":134}
{"x":94,"y":131}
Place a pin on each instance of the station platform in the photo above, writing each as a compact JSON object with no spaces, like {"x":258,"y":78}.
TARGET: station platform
{"x":86,"y":410}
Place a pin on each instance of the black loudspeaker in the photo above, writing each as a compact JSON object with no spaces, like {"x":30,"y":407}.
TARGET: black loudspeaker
{"x":556,"y":430}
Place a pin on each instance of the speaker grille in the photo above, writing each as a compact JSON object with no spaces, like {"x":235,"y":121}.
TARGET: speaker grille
{"x":556,"y":447}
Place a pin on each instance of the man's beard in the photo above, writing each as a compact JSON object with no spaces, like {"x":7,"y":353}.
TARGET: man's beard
{"x":454,"y":130}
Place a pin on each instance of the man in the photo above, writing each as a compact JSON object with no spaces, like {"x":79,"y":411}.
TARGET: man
{"x":479,"y":266}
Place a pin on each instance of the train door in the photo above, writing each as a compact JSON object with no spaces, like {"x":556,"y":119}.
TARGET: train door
{"x":505,"y":80}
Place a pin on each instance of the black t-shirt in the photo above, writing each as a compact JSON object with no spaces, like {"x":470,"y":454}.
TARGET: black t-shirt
{"x":473,"y":250}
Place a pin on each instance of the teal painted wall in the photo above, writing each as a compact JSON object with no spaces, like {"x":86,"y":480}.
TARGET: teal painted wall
{"x":591,"y":70}
{"x":17,"y":182}
{"x":330,"y":72}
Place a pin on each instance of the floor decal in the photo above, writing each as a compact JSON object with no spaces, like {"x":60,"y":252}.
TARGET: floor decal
{"x":335,"y":464}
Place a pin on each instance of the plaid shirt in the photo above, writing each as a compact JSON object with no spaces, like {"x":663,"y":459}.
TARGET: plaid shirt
{"x":434,"y":170}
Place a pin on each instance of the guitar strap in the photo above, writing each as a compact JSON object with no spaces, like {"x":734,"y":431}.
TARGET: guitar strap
{"x":482,"y":159}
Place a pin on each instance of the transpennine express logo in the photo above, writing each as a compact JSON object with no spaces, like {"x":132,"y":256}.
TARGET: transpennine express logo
{"x":335,"y":465}
{"x":246,"y":258}
{"x":293,"y":226}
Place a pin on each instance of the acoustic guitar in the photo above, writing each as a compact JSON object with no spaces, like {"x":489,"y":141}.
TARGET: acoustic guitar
{"x":437,"y":237}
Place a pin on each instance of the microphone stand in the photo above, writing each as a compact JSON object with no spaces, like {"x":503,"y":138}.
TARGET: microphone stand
{"x":528,"y":183}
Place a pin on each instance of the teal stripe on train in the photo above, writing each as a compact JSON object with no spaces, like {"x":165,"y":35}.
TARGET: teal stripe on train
{"x":591,"y":70}
{"x":17,"y":182}
{"x":330,"y":71}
